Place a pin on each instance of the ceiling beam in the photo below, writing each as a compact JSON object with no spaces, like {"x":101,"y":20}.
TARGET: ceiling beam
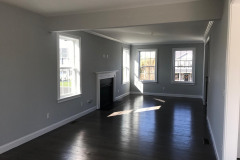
{"x":180,"y":12}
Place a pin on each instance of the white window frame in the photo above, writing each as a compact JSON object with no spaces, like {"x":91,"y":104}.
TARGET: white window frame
{"x":156,"y":64}
{"x":128,"y":81}
{"x":193,"y":66}
{"x":74,"y":95}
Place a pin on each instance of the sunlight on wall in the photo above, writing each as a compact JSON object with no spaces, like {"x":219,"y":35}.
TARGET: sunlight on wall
{"x":137,"y":82}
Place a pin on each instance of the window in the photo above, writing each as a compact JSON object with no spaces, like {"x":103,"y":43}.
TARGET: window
{"x":183,"y":65}
{"x":126,"y":66}
{"x":68,"y":67}
{"x":147,"y":65}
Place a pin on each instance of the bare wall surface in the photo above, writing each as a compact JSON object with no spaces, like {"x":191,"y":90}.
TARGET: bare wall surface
{"x":165,"y":70}
{"x":217,"y":73}
{"x":99,"y":54}
{"x":28,"y":68}
{"x":169,"y":13}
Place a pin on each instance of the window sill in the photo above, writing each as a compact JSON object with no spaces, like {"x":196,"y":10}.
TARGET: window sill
{"x":184,"y":83}
{"x":148,"y":82}
{"x":125,"y":83}
{"x":68,"y":98}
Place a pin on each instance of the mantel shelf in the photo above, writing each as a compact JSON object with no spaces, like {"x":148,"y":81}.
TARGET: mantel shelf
{"x":106,"y":72}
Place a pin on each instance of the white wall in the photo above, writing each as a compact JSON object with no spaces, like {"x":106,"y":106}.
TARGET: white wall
{"x":232,"y":84}
{"x":238,"y":151}
{"x":28,"y":74}
{"x":164,"y":85}
{"x":217,"y":73}
{"x":169,"y":13}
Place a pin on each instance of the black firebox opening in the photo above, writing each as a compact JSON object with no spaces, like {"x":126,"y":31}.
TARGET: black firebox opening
{"x":106,"y":93}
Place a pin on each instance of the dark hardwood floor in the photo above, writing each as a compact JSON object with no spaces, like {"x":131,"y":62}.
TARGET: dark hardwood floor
{"x":175,"y":131}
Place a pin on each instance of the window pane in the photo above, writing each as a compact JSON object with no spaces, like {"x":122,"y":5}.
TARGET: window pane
{"x":148,"y":55}
{"x":152,"y":69}
{"x":126,"y":66}
{"x":127,"y":75}
{"x":152,"y":77}
{"x":146,"y":77}
{"x":183,"y":66}
{"x":141,"y":76}
{"x":69,"y":67}
{"x":147,"y":69}
{"x":66,"y":53}
{"x":177,"y":63}
{"x":65,"y":81}
{"x":176,"y":76}
{"x":189,"y":55}
{"x":147,"y":65}
{"x":142,"y":70}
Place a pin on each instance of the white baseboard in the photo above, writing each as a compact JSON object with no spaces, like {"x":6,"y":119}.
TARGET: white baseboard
{"x":213,"y":139}
{"x":40,"y":132}
{"x":121,"y":96}
{"x":168,"y":95}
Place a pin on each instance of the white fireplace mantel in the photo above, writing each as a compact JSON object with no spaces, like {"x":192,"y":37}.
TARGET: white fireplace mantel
{"x":105,"y":75}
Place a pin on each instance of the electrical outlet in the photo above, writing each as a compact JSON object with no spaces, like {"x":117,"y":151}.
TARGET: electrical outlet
{"x":81,"y":104}
{"x":48,"y":115}
{"x":163,"y":89}
{"x":118,"y":90}
{"x":89,"y":101}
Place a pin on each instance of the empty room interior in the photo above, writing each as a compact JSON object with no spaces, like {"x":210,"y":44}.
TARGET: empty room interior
{"x":124,"y":80}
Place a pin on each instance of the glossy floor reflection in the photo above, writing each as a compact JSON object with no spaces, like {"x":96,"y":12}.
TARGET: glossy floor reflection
{"x":163,"y":129}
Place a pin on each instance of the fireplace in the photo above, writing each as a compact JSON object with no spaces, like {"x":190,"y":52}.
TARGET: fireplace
{"x":107,"y":80}
{"x":106,"y":93}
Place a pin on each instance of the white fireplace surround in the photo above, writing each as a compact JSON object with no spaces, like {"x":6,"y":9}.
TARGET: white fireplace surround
{"x":105,"y":75}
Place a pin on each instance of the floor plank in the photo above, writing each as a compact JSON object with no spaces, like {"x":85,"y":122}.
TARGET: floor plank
{"x":173,"y":132}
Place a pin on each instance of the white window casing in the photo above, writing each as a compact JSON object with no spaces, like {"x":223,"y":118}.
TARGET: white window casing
{"x":147,"y":65}
{"x":69,"y":68}
{"x":126,"y":66}
{"x":183,"y":66}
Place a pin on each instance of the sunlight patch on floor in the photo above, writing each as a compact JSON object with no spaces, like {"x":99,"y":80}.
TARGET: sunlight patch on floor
{"x":160,"y":100}
{"x":119,"y":113}
{"x":148,"y":109}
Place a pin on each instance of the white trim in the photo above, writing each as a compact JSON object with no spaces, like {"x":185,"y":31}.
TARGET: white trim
{"x":155,"y":43}
{"x":75,"y":95}
{"x":43,"y":131}
{"x":141,"y":44}
{"x":121,"y":96}
{"x":156,"y":64}
{"x":168,"y":95}
{"x":104,"y":36}
{"x":69,"y":98}
{"x":129,"y":67}
{"x":204,"y":65}
{"x":213,"y":139}
{"x":208,"y":29}
{"x":193,"y":66}
{"x":232,"y":85}
{"x":105,"y":75}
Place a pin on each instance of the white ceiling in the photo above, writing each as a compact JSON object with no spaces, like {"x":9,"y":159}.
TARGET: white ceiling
{"x":61,"y":7}
{"x":184,"y":32}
